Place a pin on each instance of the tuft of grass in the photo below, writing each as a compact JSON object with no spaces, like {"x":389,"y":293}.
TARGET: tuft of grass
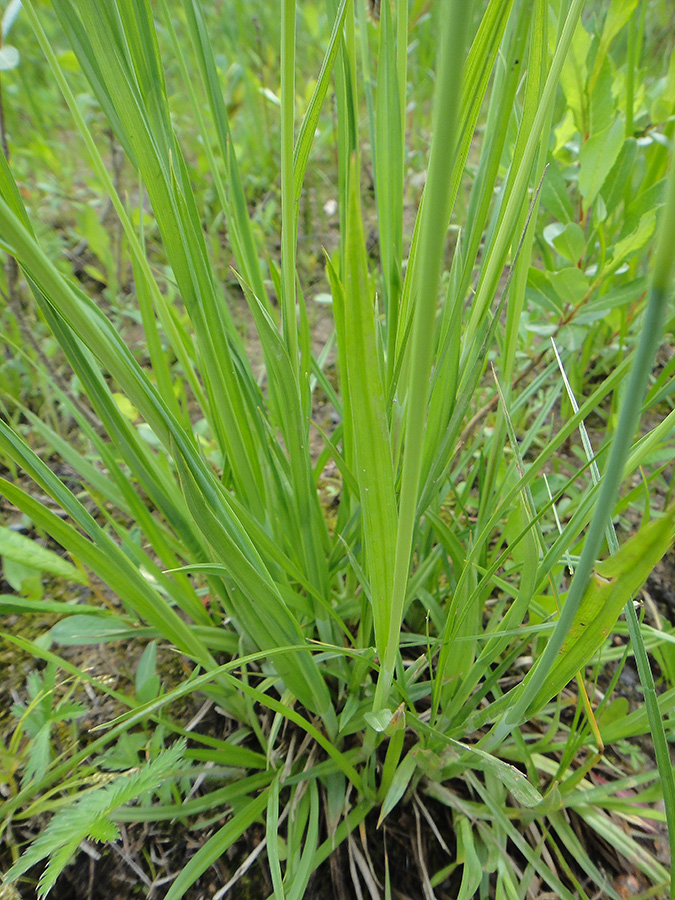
{"x":424,"y":642}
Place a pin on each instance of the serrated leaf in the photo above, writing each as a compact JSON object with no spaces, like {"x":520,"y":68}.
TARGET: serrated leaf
{"x":39,"y":755}
{"x":76,"y":822}
{"x":102,"y":830}
{"x":124,"y":752}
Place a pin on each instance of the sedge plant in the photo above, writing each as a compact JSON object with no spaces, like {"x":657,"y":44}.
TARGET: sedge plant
{"x":423,"y":643}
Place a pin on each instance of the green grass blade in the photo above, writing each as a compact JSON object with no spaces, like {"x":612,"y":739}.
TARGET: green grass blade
{"x":373,"y":463}
{"x":235,"y":207}
{"x":310,"y":120}
{"x":217,"y":845}
{"x":389,"y":153}
{"x":454,"y":25}
{"x":495,"y":258}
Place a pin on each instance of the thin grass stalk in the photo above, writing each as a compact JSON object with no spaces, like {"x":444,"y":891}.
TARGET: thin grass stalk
{"x":535,"y":84}
{"x":288,"y":214}
{"x":389,"y":156}
{"x":454,"y":23}
{"x":478,"y":67}
{"x":124,"y":44}
{"x":140,"y":261}
{"x":536,"y":77}
{"x":311,"y":118}
{"x":402,"y":55}
{"x":367,"y":78}
{"x":347,"y":140}
{"x":239,"y":224}
{"x":234,"y":225}
{"x":504,"y":233}
{"x":661,"y":287}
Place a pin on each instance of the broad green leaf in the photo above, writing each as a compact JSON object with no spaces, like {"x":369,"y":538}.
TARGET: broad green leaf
{"x":29,"y":553}
{"x":568,"y":240}
{"x":596,"y":159}
{"x":642,"y":203}
{"x":23,"y":579}
{"x":574,"y":75}
{"x":541,"y":291}
{"x":613,"y":712}
{"x":621,"y":175}
{"x":77,"y":630}
{"x":634,"y":241}
{"x":613,"y":583}
{"x":603,"y":104}
{"x":555,"y":193}
{"x":618,"y":14}
{"x":570,"y":284}
{"x":628,"y":292}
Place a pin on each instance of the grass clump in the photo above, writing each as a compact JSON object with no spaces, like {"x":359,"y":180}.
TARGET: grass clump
{"x":425,"y":639}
